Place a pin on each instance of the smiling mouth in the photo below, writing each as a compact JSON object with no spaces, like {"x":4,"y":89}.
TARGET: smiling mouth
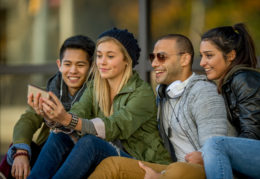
{"x":207,"y":70}
{"x":103,"y":69}
{"x":73,"y":78}
{"x":158,"y":72}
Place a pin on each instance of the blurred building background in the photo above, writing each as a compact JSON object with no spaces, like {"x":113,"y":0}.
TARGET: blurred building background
{"x":31,"y":32}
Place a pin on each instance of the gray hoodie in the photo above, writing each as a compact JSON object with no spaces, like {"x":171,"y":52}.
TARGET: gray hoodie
{"x":200,"y":113}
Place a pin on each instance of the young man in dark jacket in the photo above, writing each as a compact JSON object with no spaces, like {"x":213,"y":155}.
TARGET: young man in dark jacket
{"x":68,"y":85}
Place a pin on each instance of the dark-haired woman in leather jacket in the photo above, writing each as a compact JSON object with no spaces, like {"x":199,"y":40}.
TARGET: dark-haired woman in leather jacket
{"x":228,"y":56}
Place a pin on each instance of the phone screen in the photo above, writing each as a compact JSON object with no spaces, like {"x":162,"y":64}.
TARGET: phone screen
{"x":35,"y":90}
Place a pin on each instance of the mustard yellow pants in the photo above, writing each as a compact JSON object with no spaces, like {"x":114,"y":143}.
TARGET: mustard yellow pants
{"x":125,"y":168}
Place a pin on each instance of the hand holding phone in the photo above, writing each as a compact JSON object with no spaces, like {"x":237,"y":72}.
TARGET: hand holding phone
{"x":34,"y":101}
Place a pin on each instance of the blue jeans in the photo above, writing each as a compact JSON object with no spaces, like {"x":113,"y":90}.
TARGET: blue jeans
{"x":222,"y":154}
{"x":61,"y":158}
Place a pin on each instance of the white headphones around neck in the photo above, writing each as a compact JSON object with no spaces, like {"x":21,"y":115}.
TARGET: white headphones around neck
{"x":174,"y":90}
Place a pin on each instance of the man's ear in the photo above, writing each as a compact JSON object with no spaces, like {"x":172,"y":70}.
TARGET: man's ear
{"x":58,"y":62}
{"x":185,"y":59}
{"x":231,"y":55}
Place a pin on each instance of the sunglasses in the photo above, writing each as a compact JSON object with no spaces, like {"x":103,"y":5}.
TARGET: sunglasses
{"x":161,"y":56}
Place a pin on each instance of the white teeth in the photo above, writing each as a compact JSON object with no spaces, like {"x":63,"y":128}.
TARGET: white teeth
{"x":207,"y":70}
{"x":73,"y":78}
{"x":158,"y":72}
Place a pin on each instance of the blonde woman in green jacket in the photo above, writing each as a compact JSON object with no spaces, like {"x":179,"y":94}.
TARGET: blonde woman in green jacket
{"x":116,"y":116}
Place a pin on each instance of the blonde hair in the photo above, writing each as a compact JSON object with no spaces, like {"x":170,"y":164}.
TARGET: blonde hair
{"x":101,"y":88}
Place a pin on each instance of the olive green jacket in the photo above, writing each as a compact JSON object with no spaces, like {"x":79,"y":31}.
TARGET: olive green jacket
{"x":133,"y":121}
{"x":27,"y":125}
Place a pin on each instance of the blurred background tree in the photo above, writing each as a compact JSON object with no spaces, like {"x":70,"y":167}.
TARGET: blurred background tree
{"x":191,"y":17}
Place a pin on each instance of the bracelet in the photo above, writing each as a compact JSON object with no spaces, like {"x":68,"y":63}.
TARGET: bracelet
{"x":20,"y":153}
{"x":74,"y":121}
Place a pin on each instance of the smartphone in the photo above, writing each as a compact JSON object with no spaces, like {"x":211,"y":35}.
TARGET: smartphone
{"x":35,"y":90}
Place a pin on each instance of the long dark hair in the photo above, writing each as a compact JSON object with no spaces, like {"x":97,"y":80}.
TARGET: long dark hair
{"x":228,"y":38}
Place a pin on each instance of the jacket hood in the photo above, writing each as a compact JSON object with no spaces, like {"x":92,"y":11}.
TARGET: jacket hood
{"x":193,"y":80}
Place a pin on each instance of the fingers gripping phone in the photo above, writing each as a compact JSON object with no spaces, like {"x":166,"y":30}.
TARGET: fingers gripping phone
{"x":35,"y":90}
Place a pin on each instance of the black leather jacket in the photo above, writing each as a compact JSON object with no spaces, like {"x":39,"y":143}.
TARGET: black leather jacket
{"x":241,"y":91}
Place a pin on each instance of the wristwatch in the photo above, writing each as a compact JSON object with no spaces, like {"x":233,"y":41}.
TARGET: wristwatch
{"x":74,"y":121}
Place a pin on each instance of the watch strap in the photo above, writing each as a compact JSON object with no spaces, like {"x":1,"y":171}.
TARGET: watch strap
{"x":74,"y":121}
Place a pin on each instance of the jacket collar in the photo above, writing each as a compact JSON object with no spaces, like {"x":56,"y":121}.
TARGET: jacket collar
{"x":236,"y":69}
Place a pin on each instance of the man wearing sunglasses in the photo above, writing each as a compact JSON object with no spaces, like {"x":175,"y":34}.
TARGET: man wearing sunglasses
{"x":189,"y":112}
